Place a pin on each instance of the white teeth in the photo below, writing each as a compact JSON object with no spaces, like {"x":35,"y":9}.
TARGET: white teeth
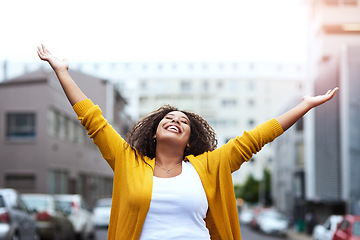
{"x":173,"y":128}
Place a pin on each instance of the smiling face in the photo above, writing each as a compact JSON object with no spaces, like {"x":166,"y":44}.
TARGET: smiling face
{"x":174,"y":127}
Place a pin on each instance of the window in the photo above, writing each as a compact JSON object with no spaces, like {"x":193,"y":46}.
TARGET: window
{"x":228,"y":102}
{"x":160,"y":86}
{"x":344,"y":225}
{"x":356,"y":229}
{"x":51,"y":125}
{"x":143,"y":85}
{"x":20,"y":126}
{"x":251,"y":85}
{"x":205,"y":86}
{"x":57,"y":181}
{"x":185,"y":86}
{"x":20,"y":181}
{"x":220,"y":84}
{"x":251,"y":102}
{"x":251,"y":122}
{"x":300,"y":125}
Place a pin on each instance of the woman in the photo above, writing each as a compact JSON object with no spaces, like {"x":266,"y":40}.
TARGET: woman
{"x":169,"y":180}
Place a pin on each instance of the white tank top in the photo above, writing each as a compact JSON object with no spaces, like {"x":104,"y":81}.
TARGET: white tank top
{"x":177,"y":209}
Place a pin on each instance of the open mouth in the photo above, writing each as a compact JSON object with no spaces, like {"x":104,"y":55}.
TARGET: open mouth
{"x":173,"y":129}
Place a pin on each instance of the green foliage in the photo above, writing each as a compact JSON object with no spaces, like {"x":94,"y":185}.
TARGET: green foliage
{"x":249,"y":191}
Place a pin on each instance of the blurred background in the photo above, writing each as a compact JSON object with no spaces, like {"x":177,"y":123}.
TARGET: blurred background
{"x":236,"y":63}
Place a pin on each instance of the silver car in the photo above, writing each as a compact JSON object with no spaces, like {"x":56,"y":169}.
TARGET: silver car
{"x":52,"y":223}
{"x":15,"y":220}
{"x":79,"y":214}
{"x":101,"y":212}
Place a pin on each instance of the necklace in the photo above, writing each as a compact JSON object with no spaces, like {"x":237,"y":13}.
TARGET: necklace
{"x":167,"y":170}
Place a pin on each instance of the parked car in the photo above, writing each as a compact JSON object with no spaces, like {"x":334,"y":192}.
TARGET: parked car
{"x":246,"y":216}
{"x":80,"y":214}
{"x":101,"y":212}
{"x":272,"y":222}
{"x":52,"y":223}
{"x":348,"y":228}
{"x":16,"y":222}
{"x":326,"y":230}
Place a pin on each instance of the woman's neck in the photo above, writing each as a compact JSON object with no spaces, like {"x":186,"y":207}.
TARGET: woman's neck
{"x":168,"y":156}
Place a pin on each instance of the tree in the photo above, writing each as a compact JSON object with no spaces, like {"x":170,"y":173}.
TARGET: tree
{"x":249,"y":191}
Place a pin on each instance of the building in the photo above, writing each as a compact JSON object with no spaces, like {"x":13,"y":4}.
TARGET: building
{"x":231,"y":96}
{"x":330,"y":135}
{"x":43,"y":146}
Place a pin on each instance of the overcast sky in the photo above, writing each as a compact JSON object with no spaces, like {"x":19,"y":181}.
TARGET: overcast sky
{"x":154,"y":30}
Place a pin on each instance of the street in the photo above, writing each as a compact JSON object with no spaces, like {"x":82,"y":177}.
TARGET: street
{"x":100,"y":234}
{"x":246,"y":233}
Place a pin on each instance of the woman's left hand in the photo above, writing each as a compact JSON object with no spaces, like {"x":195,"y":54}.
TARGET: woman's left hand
{"x":313,"y":101}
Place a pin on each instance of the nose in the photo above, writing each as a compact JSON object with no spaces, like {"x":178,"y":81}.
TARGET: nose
{"x":176,"y":119}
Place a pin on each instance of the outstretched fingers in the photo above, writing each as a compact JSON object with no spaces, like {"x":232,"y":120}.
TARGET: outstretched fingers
{"x":331,"y":93}
{"x":43,"y":52}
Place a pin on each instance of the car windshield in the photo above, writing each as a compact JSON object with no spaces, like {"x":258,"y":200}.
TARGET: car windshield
{"x":65,"y":205}
{"x":36,"y":203}
{"x":103,"y":204}
{"x":356,"y":229}
{"x":273,"y":215}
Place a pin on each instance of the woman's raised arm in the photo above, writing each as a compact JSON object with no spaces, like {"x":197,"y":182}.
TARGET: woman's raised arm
{"x":287,"y":119}
{"x":72,"y":91}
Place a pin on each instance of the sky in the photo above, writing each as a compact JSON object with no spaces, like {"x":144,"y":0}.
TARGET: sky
{"x":154,"y":30}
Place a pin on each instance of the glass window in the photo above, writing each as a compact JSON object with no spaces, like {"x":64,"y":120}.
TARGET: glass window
{"x":251,"y":122}
{"x":143,"y":85}
{"x":205,"y":86}
{"x":20,"y":126}
{"x":80,"y":134}
{"x":251,"y":85}
{"x":251,"y":102}
{"x":344,"y":225}
{"x":185,"y":86}
{"x":62,"y":126}
{"x":356,"y":229}
{"x":228,"y":102}
{"x":20,"y":181}
{"x":160,"y":86}
{"x":51,"y":122}
{"x":57,"y":181}
{"x":71,"y":125}
{"x":220,"y":84}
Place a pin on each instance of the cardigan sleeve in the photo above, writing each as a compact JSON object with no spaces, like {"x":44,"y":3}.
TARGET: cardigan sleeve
{"x":103,"y":134}
{"x":242,"y":148}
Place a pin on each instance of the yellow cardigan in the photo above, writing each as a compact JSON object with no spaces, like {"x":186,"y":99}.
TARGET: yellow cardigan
{"x":132,"y":187}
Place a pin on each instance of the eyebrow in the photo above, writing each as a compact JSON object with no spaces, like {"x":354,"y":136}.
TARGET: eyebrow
{"x":180,"y":117}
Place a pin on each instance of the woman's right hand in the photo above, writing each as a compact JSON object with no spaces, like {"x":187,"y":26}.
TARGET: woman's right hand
{"x":55,"y":63}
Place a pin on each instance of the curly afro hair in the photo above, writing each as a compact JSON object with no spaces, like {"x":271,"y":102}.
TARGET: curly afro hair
{"x":141,"y":136}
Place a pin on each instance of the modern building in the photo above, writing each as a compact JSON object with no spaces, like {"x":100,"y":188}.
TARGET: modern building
{"x":327,"y":184}
{"x":43,"y":147}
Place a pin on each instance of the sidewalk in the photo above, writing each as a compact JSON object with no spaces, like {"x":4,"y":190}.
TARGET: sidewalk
{"x":294,"y":235}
